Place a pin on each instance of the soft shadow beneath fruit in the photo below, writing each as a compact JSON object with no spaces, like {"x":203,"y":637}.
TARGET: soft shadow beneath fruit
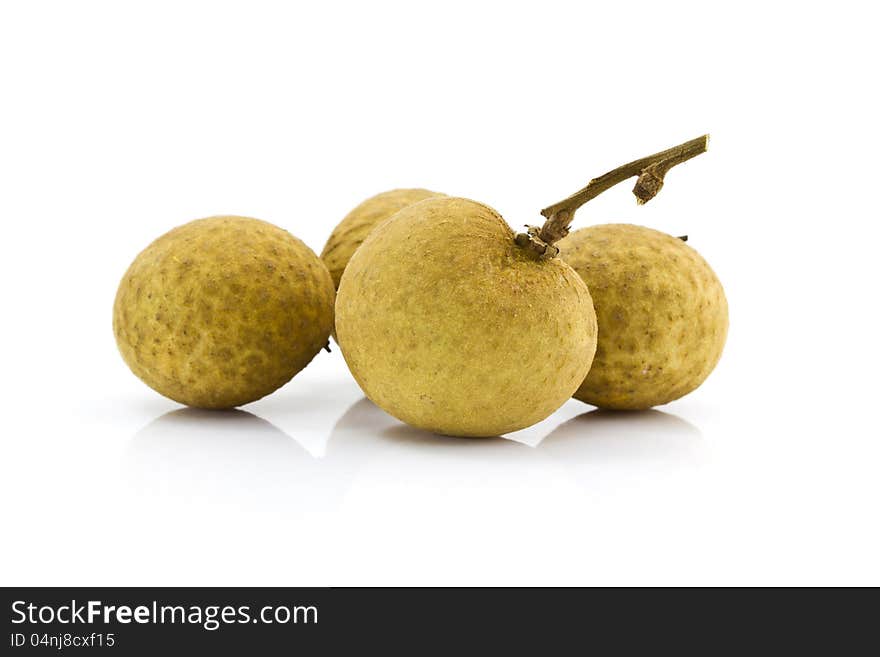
{"x":228,"y":459}
{"x":607,"y":437}
{"x":360,"y":415}
{"x":366,"y":432}
{"x":236,"y":430}
{"x":354,"y":434}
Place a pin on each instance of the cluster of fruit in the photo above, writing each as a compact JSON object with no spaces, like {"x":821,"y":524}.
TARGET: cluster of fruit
{"x":447,"y":319}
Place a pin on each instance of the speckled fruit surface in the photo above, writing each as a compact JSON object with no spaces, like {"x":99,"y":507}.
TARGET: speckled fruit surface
{"x":222,"y":311}
{"x":662,"y":315}
{"x":357,"y":224}
{"x":451,"y":327}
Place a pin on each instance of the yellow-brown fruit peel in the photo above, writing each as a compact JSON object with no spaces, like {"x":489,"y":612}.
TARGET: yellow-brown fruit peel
{"x":222,"y":311}
{"x":357,"y":224}
{"x":662,"y":315}
{"x":450,"y":326}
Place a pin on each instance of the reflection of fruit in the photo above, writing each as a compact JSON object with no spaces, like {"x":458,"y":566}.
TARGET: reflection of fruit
{"x":603,"y":438}
{"x":661,"y":310}
{"x":357,"y":224}
{"x":452,"y":326}
{"x":222,"y":311}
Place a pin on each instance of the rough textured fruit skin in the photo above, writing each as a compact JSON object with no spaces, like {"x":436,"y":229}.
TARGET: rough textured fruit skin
{"x":449,"y":326}
{"x":222,"y":311}
{"x":357,"y":224}
{"x":662,"y":315}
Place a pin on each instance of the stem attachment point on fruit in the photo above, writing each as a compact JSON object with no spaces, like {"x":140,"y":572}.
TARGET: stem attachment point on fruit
{"x":532,"y":240}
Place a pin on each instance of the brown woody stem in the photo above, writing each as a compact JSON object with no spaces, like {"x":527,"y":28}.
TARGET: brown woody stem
{"x":650,"y":170}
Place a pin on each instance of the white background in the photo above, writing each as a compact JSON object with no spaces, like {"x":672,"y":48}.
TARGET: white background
{"x":121,"y":120}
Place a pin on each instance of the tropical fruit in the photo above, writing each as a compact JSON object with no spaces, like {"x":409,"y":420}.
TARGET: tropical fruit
{"x":222,"y":311}
{"x":661,"y":310}
{"x":357,"y":224}
{"x":451,"y":326}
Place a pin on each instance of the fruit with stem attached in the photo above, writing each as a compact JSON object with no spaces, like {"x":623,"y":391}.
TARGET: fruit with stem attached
{"x":661,"y":309}
{"x":451,"y":326}
{"x":453,"y":323}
